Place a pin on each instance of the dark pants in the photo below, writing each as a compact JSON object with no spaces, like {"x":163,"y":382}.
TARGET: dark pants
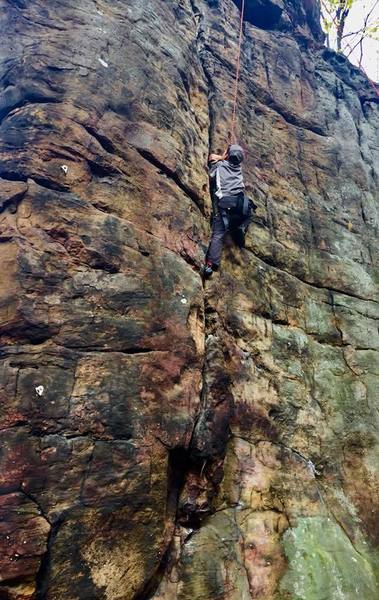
{"x":224,"y":222}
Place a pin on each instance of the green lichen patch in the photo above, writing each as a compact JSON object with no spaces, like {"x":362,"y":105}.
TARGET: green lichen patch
{"x":324,"y":564}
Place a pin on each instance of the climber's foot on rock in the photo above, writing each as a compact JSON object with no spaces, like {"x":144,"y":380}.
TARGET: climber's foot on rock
{"x":208,"y":269}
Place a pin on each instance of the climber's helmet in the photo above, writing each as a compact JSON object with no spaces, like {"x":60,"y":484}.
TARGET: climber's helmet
{"x":235,"y":154}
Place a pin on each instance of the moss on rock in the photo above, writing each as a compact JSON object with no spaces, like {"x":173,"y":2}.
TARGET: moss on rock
{"x":325,"y":565}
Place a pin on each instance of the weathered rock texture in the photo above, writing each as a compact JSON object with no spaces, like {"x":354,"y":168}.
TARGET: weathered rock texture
{"x":159,"y":439}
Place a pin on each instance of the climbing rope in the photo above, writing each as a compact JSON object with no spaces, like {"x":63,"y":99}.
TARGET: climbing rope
{"x":232,"y":135}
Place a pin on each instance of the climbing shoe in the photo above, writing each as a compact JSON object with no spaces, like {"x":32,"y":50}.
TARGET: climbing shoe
{"x":239,"y":236}
{"x":207,"y":270}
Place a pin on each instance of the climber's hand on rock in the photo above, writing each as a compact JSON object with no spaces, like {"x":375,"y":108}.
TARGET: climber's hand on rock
{"x":216,"y":157}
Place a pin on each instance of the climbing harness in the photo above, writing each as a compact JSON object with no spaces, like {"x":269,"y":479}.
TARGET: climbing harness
{"x":239,"y":209}
{"x":232,"y":134}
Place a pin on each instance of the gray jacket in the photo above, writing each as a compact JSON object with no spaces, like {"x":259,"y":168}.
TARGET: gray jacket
{"x":227,"y":174}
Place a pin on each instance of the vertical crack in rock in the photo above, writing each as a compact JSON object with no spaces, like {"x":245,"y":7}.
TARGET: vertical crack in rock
{"x":196,"y":472}
{"x":43,"y":575}
{"x":179,"y":465}
{"x":201,"y":50}
{"x":212,"y":428}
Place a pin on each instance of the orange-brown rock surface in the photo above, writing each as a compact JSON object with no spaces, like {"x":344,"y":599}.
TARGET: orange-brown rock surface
{"x":161,"y":438}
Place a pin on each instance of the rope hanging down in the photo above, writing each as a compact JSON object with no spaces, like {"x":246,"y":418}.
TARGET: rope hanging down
{"x":235,"y":101}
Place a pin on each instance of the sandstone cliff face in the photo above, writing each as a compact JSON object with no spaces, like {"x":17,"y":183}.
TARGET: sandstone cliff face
{"x":160,"y":438}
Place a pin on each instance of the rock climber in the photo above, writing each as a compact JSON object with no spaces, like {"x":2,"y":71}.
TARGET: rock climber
{"x":232,"y":210}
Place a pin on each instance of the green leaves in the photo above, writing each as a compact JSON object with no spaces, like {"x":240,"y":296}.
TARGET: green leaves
{"x":335,"y":16}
